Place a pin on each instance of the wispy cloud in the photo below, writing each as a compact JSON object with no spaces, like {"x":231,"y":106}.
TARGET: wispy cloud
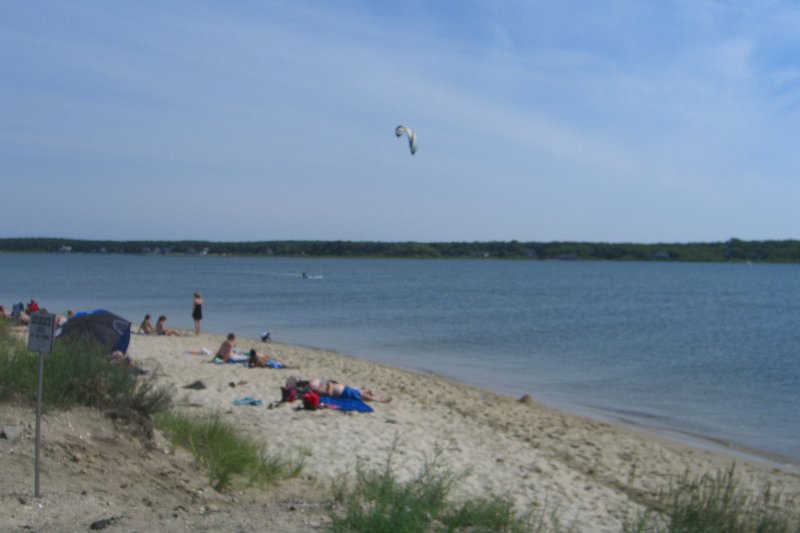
{"x":576,"y":120}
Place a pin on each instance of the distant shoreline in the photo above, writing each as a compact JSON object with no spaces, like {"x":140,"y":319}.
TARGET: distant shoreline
{"x":733,"y":250}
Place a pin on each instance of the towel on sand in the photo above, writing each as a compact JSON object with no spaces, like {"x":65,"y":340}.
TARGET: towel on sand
{"x":342,"y":404}
{"x":247,"y":400}
{"x":236,"y":359}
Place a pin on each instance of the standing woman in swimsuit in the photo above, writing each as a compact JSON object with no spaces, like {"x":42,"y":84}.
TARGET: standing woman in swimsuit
{"x":197,"y":312}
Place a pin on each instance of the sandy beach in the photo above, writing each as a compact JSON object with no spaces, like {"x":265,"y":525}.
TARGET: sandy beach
{"x":591,"y":473}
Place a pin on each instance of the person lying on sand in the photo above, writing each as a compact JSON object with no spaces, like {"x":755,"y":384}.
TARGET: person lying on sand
{"x":334,"y":389}
{"x":264,"y":361}
{"x":225,"y":351}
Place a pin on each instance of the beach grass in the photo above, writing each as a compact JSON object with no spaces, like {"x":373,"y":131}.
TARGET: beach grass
{"x":715,"y":503}
{"x":226,"y":453}
{"x":379,"y":502}
{"x":76,"y":373}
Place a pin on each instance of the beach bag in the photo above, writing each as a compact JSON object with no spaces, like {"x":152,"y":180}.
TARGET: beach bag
{"x":311,"y":400}
{"x":288,"y":394}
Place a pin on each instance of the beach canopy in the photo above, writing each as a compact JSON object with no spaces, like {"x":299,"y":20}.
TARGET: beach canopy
{"x":111,"y":331}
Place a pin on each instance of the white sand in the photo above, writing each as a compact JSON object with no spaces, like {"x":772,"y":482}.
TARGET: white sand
{"x":591,"y":473}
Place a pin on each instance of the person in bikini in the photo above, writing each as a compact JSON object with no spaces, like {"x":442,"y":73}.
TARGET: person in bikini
{"x":334,"y":389}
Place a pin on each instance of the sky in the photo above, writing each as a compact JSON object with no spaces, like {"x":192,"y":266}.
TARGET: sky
{"x":619,"y":121}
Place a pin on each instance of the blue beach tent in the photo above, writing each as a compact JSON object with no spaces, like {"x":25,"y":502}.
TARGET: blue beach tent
{"x":110,"y":330}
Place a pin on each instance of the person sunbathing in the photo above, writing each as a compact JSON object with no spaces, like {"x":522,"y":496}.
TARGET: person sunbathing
{"x":264,"y":361}
{"x":334,"y":389}
{"x":225,"y":351}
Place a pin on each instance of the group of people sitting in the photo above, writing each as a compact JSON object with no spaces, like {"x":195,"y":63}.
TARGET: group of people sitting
{"x":147,"y":328}
{"x":227,"y":354}
{"x":21,"y":314}
{"x":323,"y":387}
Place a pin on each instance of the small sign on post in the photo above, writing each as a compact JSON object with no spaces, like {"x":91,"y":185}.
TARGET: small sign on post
{"x":41,"y":330}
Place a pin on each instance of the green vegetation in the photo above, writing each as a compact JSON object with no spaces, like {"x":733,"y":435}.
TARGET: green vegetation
{"x":76,"y":373}
{"x":380,"y":503}
{"x":227,"y":455}
{"x":735,"y":250}
{"x":716,"y":504}
{"x":712,"y":503}
{"x":79,"y":373}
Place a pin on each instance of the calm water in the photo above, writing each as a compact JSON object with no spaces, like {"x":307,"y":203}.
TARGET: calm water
{"x":709,"y":350}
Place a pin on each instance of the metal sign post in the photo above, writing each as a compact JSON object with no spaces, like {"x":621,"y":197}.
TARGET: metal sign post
{"x":40,"y":339}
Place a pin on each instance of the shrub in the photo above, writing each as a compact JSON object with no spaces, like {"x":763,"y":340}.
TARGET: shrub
{"x":76,"y":373}
{"x":378,"y":503}
{"x":226,"y":454}
{"x":716,"y":503}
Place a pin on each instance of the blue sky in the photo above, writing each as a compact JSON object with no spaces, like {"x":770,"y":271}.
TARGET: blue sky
{"x":672,"y":121}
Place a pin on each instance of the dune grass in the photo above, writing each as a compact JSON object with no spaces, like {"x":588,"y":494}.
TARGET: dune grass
{"x":75,"y":373}
{"x":716,"y":503}
{"x":227,"y":454}
{"x":378,"y":502}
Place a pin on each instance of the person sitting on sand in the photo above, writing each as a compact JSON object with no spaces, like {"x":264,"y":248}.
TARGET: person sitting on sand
{"x":162,"y":329}
{"x":225,"y":351}
{"x":62,"y":319}
{"x":21,"y":317}
{"x":146,"y":326}
{"x":334,"y":389}
{"x":264,"y":361}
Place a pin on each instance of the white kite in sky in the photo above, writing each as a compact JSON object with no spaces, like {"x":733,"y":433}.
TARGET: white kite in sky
{"x":412,"y":139}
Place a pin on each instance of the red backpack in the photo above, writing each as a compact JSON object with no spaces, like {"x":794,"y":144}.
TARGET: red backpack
{"x":311,"y":400}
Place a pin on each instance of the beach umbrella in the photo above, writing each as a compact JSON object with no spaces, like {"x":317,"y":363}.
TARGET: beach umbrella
{"x":111,"y":331}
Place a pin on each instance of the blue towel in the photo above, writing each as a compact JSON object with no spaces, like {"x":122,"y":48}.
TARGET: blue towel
{"x":236,"y":361}
{"x":342,"y":404}
{"x":247,"y":400}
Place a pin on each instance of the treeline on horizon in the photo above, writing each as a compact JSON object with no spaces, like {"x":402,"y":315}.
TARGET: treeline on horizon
{"x":733,"y":250}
